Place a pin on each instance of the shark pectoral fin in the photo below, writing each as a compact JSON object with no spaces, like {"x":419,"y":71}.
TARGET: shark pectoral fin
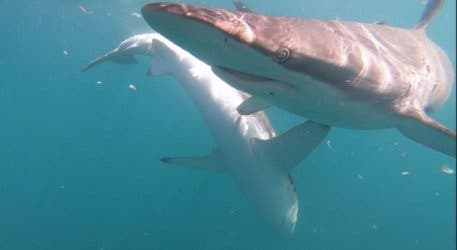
{"x":423,"y":129}
{"x":125,"y":58}
{"x":291,"y":147}
{"x":252,"y":105}
{"x":212,"y":162}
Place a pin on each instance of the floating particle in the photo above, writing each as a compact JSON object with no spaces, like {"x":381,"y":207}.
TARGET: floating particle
{"x":360,"y":177}
{"x":65,"y":53}
{"x":403,"y":155}
{"x":405,"y":173}
{"x":135,"y":14}
{"x":447,"y":170}
{"x":374,"y":227}
{"x":330,"y":146}
{"x":437,"y":193}
{"x":84,"y":10}
{"x":132,"y":87}
{"x":99,"y":82}
{"x":61,"y":187}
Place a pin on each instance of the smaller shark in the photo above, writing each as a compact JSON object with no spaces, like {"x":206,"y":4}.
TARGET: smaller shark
{"x":248,"y":148}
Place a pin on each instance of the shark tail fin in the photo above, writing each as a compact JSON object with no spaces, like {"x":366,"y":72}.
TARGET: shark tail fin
{"x":116,"y":56}
{"x":125,"y":58}
{"x":98,"y":60}
{"x":212,"y":162}
{"x":432,"y":7}
{"x":291,"y":147}
{"x":421,"y":128}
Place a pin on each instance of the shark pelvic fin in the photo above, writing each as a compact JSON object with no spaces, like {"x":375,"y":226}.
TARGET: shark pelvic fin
{"x":421,"y":128}
{"x":252,"y":105}
{"x":213,"y":162}
{"x":291,"y":147}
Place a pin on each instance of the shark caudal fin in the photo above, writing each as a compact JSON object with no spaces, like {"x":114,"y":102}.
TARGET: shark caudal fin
{"x":116,"y":56}
{"x":99,"y":60}
{"x":291,"y":147}
{"x":211,"y":162}
{"x":432,"y":7}
{"x":419,"y":127}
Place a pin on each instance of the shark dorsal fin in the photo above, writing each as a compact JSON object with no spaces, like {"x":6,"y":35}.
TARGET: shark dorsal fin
{"x":431,"y":9}
{"x":291,"y":147}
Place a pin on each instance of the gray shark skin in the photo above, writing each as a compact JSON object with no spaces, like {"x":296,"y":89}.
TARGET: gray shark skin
{"x":339,"y":73}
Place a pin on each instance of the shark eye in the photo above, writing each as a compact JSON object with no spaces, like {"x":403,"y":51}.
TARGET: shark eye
{"x":281,"y":55}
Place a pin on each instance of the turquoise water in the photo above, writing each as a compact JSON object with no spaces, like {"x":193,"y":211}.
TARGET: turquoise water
{"x":79,"y":164}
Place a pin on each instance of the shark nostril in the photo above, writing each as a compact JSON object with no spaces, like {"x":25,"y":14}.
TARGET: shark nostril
{"x":281,"y":55}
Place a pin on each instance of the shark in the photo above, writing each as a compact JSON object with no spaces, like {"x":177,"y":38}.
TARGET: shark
{"x":248,"y":148}
{"x":339,"y":73}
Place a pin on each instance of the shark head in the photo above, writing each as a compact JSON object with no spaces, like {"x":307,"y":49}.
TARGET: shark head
{"x":287,"y":210}
{"x":276,"y":203}
{"x":245,"y":45}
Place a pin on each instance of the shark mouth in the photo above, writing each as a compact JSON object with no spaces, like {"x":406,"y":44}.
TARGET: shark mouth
{"x":239,"y":74}
{"x":252,"y":83}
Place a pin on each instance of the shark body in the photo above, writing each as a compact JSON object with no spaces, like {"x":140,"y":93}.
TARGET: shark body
{"x":345,"y":74}
{"x":248,"y":148}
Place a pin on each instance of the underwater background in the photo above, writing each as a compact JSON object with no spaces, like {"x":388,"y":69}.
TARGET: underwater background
{"x":79,"y":160}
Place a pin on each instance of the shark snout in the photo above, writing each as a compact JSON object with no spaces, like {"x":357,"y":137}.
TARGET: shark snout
{"x":185,"y":24}
{"x":290,"y":220}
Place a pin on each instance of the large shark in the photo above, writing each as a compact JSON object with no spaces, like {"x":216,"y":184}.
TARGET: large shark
{"x":339,"y":73}
{"x":247,"y":146}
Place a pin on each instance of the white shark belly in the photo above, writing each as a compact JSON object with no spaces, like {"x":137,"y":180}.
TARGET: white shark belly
{"x":248,"y":148}
{"x":266,"y":186}
{"x":330,"y":106}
